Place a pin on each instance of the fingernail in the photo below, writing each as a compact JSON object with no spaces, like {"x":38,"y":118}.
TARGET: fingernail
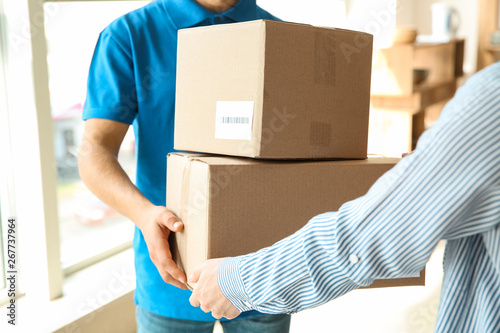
{"x":177,"y":224}
{"x":181,"y":279}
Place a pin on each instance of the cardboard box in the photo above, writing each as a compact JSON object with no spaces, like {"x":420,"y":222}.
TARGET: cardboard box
{"x":276,"y":90}
{"x":233,"y":206}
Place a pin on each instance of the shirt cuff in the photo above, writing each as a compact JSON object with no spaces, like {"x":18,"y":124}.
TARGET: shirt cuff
{"x":231,"y":284}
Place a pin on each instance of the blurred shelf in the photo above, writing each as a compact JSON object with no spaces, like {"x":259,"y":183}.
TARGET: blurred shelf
{"x":493,"y":48}
{"x":394,"y":67}
{"x":487,"y":23}
{"x":399,"y":105}
{"x":425,"y":95}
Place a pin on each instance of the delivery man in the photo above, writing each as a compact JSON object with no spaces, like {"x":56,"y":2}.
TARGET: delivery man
{"x":132,"y":82}
{"x":448,"y":188}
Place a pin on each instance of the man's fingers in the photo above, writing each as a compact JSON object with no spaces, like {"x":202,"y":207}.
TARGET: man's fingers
{"x":205,"y":308}
{"x":408,"y":153}
{"x":165,"y":262}
{"x":207,"y":294}
{"x":231,"y":314}
{"x":172,"y":222}
{"x":194,"y":300}
{"x":165,"y":275}
{"x":170,"y":280}
{"x":196,"y":275}
{"x":161,"y":222}
{"x":217,"y":315}
{"x":171,"y":268}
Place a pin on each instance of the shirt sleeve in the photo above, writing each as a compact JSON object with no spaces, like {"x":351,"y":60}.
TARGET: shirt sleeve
{"x":111,"y":91}
{"x":448,"y":188}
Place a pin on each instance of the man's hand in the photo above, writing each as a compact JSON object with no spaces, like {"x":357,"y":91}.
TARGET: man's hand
{"x":406,"y":154}
{"x":156,"y":229}
{"x":207,"y":294}
{"x":104,"y":176}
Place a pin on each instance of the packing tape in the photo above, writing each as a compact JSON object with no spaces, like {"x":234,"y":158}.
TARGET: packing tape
{"x":320,"y":138}
{"x":186,"y":177}
{"x":177,"y":244}
{"x":325,"y":58}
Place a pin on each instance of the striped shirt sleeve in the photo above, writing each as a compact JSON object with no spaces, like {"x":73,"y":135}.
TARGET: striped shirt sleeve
{"x":449,"y":188}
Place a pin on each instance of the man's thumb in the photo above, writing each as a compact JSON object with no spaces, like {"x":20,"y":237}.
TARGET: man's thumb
{"x":174,"y":223}
{"x":195,"y":276}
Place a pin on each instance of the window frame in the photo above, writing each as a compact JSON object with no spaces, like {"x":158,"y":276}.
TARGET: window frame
{"x":30,"y":147}
{"x":89,"y":261}
{"x":6,"y":170}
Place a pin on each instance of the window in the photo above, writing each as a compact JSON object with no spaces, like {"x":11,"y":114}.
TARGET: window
{"x":3,"y":294}
{"x":89,"y":229}
{"x":4,"y":164}
{"x":45,"y":53}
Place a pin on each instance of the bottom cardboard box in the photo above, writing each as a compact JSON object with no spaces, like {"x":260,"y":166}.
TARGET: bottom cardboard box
{"x":233,"y":206}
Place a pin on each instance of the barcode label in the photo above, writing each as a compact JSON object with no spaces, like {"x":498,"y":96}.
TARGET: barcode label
{"x":233,"y":120}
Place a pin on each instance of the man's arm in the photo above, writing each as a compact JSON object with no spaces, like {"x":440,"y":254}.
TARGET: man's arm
{"x":103,"y":175}
{"x":446,"y":189}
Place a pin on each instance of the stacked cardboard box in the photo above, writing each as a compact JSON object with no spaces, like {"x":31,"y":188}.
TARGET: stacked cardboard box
{"x":287,"y":107}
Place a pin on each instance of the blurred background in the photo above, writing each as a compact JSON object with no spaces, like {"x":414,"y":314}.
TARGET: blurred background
{"x":81,"y":246}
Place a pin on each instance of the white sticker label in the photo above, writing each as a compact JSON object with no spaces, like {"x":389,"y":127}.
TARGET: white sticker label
{"x":233,"y":120}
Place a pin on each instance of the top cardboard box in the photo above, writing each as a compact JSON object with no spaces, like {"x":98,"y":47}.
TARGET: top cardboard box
{"x":275,"y":90}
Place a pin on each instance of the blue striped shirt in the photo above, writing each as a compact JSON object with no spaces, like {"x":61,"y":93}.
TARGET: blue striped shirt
{"x":449,"y":188}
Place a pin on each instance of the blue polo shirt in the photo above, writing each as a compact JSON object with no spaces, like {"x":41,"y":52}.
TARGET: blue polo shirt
{"x":132,"y":80}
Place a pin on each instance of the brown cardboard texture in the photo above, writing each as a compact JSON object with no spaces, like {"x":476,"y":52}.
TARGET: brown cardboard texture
{"x":276,"y":90}
{"x":233,"y":206}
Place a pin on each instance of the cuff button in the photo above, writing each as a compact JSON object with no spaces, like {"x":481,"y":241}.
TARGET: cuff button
{"x":354,"y":259}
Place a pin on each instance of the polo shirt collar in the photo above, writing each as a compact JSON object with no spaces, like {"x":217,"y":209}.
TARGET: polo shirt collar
{"x":244,"y":10}
{"x":187,"y":13}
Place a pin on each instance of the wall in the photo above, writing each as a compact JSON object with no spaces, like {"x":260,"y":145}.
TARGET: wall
{"x":468,"y":11}
{"x":374,"y":16}
{"x":410,"y":12}
{"x":327,"y":13}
